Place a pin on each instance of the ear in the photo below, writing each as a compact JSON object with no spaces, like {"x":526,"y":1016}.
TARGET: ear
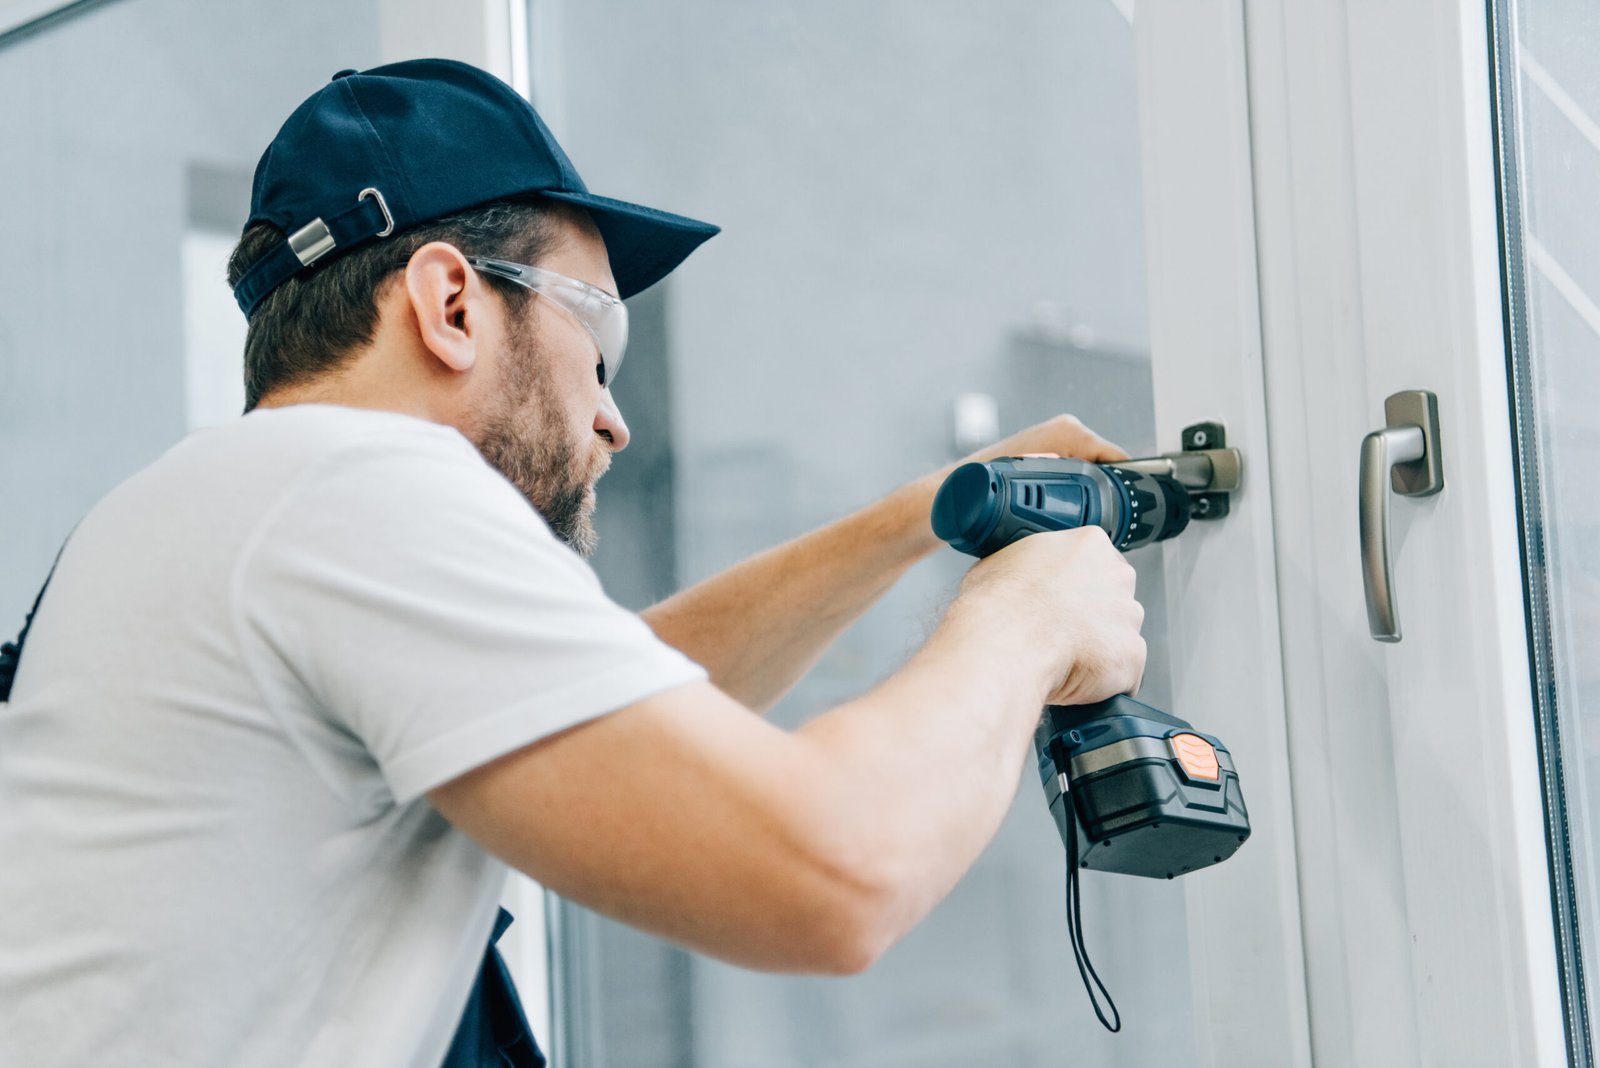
{"x":448,"y":306}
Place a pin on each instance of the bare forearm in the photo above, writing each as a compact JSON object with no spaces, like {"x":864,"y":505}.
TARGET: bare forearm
{"x":927,"y":764}
{"x":758,"y":627}
{"x":761,"y":625}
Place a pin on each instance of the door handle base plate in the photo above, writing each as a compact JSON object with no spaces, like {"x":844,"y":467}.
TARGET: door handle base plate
{"x":1418,"y":408}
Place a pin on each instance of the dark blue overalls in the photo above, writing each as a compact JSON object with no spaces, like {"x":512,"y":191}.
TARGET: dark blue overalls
{"x":493,"y":1029}
{"x":493,"y":1032}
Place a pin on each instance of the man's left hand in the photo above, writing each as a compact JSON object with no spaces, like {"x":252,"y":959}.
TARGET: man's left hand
{"x":1065,"y":435}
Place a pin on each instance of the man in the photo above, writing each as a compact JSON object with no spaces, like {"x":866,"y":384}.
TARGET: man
{"x":300,"y":689}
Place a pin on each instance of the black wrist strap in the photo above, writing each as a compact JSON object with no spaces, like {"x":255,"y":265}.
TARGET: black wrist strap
{"x":1080,"y":953}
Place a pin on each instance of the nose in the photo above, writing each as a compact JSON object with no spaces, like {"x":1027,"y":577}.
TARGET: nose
{"x":609,"y":424}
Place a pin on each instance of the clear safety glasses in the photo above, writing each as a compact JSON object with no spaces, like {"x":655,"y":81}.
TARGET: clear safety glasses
{"x":605,"y":317}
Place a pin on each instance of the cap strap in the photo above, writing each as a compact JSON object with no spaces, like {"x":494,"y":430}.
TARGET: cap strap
{"x":368,"y":218}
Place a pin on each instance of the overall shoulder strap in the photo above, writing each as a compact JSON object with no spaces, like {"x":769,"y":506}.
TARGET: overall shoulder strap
{"x":11,"y":652}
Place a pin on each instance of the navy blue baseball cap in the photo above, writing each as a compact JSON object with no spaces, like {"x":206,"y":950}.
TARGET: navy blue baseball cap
{"x":376,"y":152}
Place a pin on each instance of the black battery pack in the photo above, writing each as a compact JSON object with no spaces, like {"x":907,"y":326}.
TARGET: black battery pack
{"x":1143,"y":792}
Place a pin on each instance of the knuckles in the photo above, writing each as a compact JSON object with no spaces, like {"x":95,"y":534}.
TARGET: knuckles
{"x":1065,"y":423}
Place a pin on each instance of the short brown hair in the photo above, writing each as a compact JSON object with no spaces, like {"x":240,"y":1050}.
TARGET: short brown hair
{"x":316,"y":321}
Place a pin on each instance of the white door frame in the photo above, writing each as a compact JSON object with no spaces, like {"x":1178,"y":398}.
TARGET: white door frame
{"x":1223,"y":643}
{"x":1424,"y":874}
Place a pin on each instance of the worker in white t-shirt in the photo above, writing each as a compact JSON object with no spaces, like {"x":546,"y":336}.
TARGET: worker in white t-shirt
{"x":298,"y":691}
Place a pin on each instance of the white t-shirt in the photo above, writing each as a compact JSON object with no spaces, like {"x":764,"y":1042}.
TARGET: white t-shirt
{"x":254,"y":659}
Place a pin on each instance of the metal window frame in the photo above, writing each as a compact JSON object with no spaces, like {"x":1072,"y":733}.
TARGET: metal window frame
{"x":1531,"y":510}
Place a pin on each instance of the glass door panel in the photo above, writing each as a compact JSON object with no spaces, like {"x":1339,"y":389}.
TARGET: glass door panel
{"x":922,"y":202}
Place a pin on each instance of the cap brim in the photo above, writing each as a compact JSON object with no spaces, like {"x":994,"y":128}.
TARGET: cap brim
{"x":643,"y":244}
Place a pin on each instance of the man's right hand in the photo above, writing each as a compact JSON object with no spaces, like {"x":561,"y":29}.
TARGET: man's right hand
{"x":1070,"y":595}
{"x":814,"y":850}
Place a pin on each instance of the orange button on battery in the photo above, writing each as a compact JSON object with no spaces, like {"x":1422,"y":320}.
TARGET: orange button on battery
{"x":1196,"y":756}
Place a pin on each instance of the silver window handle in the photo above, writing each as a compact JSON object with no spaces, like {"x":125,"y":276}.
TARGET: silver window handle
{"x":1407,"y":451}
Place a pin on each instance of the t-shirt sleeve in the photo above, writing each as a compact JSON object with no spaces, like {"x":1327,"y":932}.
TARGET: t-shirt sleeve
{"x":412,"y":597}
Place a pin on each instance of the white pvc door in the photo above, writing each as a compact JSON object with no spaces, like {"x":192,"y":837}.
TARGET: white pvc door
{"x":1424,"y":875}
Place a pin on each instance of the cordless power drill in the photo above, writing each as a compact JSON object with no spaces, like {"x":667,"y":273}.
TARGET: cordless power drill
{"x":1132,"y":789}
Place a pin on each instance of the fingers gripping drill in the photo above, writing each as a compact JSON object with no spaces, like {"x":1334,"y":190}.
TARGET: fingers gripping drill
{"x":1133,"y":790}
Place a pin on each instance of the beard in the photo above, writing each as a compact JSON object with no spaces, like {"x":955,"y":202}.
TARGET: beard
{"x":523,"y":439}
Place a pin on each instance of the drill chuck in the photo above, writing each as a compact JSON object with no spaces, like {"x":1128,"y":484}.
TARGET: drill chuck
{"x":983,"y":507}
